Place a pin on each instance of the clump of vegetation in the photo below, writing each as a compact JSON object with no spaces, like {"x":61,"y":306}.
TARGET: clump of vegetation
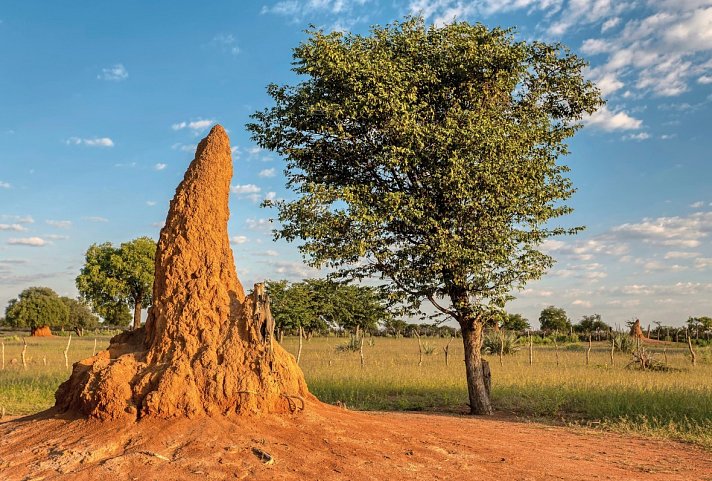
{"x":622,"y":342}
{"x":508,"y":342}
{"x":646,"y":361}
{"x":428,"y":349}
{"x":352,"y":345}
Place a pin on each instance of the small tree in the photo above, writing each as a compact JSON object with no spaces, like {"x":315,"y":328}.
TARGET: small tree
{"x":515,"y":322}
{"x":116,"y":276}
{"x":554,"y":319}
{"x":427,"y":157}
{"x":36,"y":307}
{"x":80,"y":317}
{"x":591,"y":323}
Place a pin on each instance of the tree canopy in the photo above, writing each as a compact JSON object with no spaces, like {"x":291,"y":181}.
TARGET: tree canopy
{"x":554,"y":318}
{"x":80,"y":317}
{"x":591,"y":323}
{"x":515,"y":322}
{"x":37,"y":307}
{"x":426,"y":156}
{"x":114,"y":278}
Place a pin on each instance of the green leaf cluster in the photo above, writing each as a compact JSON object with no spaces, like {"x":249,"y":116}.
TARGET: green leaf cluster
{"x":427,"y":157}
{"x":36,"y":307}
{"x":116,"y":278}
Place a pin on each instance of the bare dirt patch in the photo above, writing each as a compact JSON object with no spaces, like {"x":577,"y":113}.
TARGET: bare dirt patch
{"x":329,"y":443}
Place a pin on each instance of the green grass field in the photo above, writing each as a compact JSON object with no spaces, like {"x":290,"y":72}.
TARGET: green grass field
{"x":671,"y":405}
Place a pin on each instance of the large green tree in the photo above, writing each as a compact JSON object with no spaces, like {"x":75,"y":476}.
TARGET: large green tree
{"x":37,"y":307}
{"x":515,"y":322}
{"x":554,"y":318}
{"x":427,"y":157}
{"x":115,"y":277}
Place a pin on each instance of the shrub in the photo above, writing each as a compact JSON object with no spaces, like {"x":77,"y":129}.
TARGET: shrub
{"x":508,"y":342}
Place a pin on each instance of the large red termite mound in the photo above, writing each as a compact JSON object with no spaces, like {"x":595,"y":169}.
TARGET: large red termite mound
{"x":205,"y":348}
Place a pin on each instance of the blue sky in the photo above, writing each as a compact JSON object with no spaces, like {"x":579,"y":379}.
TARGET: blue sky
{"x":102,"y":104}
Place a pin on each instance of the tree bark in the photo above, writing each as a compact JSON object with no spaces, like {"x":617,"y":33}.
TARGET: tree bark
{"x":476,"y":387}
{"x":137,"y":315}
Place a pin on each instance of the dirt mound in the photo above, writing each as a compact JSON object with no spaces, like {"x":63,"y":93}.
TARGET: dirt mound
{"x":43,"y":331}
{"x":636,"y":331}
{"x":327,"y":443}
{"x":205,"y":348}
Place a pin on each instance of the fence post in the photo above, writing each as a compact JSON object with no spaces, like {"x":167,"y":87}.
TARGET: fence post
{"x":361,"y":351}
{"x":613,"y":347}
{"x":531,"y":349}
{"x":693,"y":357}
{"x":588,"y":351}
{"x":66,"y":352}
{"x":447,"y":352}
{"x":3,"y":353}
{"x":24,"y":353}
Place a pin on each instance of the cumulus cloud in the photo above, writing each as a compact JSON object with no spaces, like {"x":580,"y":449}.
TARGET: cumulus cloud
{"x":245,"y":189}
{"x":267,"y":172}
{"x":5,"y":185}
{"x":60,"y":224}
{"x":196,"y":126}
{"x":238,"y":239}
{"x":678,"y":231}
{"x":259,"y":224}
{"x":159,"y":166}
{"x":639,"y":136}
{"x":114,"y":73}
{"x":28,"y":241}
{"x":92,"y":142}
{"x":611,"y":121}
{"x":20,"y":219}
{"x":13,"y":227}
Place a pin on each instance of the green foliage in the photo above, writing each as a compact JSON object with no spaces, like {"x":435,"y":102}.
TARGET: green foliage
{"x":114,"y":278}
{"x":507,"y":341}
{"x":36,"y":307}
{"x":623,"y":342}
{"x":515,"y":322}
{"x":317,"y":304}
{"x":426,"y":156}
{"x":554,"y":319}
{"x":591,"y":323}
{"x":352,"y":345}
{"x":80,"y":317}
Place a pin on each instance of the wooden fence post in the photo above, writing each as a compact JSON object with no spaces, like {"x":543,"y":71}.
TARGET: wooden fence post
{"x":3,"y":353}
{"x":693,"y":356}
{"x":588,"y":351}
{"x":531,"y":349}
{"x":24,"y":353}
{"x":94,"y":351}
{"x":361,"y":351}
{"x":66,"y":352}
{"x":556,"y":349}
{"x":613,"y":347}
{"x":501,"y":348}
{"x":299,"y":353}
{"x":420,"y":349}
{"x":447,"y":352}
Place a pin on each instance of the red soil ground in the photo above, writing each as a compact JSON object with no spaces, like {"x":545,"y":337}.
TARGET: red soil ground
{"x":330,"y":443}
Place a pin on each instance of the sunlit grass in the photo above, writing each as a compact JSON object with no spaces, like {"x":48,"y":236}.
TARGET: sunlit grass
{"x":672,"y":405}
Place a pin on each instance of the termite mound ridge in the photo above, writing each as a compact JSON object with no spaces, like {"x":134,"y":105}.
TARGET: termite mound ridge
{"x":636,"y":331}
{"x":205,"y":348}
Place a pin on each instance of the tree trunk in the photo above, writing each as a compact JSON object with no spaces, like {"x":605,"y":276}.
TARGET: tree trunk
{"x":137,"y":315}
{"x":476,"y":388}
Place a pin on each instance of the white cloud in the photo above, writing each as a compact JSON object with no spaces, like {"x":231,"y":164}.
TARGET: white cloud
{"x":270,"y":196}
{"x":698,"y":204}
{"x":686,"y":232}
{"x":238,"y":239}
{"x":13,"y":227}
{"x":4,"y":185}
{"x":20,"y":219}
{"x":28,"y":241}
{"x":60,"y":224}
{"x":703,"y":263}
{"x":610,"y":121}
{"x":160,"y":166}
{"x":267,"y":172}
{"x":197,"y":126}
{"x":610,"y":23}
{"x":57,"y":236}
{"x":705,"y":79}
{"x":95,"y":142}
{"x":259,"y":224}
{"x":681,"y":255}
{"x":245,"y":189}
{"x":183,"y":147}
{"x":582,"y":303}
{"x":95,"y":218}
{"x":115,"y":73}
{"x":639,"y":137}
{"x":150,"y":203}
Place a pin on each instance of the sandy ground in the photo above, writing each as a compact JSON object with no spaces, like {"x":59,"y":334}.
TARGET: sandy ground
{"x":330,"y":443}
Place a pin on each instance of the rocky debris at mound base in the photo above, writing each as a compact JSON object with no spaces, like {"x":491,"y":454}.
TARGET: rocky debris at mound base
{"x":43,"y":331}
{"x":636,"y":331}
{"x":205,"y":348}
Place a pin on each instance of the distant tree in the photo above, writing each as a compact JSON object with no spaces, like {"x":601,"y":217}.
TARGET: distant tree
{"x":515,"y":322}
{"x":427,"y":156}
{"x":697,"y":324}
{"x":554,"y":319}
{"x":115,"y":276}
{"x":591,"y":323}
{"x":80,"y":317}
{"x":37,"y":307}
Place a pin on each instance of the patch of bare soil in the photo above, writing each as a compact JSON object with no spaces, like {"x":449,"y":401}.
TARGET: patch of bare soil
{"x":329,"y":443}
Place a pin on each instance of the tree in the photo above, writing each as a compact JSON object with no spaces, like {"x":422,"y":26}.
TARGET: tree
{"x":591,"y":323}
{"x":80,"y":317}
{"x":37,"y":307}
{"x":554,"y":319}
{"x":427,"y":157}
{"x":114,"y":277}
{"x":515,"y":322}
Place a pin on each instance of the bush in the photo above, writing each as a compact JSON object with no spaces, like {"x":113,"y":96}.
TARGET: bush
{"x":623,"y":342}
{"x":353,"y":345}
{"x":508,"y":342}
